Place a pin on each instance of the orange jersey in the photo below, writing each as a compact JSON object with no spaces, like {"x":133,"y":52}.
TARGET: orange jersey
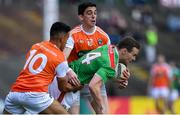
{"x":39,"y":69}
{"x":161,"y":76}
{"x":82,"y":42}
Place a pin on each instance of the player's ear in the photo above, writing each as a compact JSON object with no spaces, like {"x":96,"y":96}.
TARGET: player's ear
{"x":124,"y":51}
{"x":80,"y":17}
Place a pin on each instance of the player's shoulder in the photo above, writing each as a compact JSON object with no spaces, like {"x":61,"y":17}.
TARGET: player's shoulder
{"x":102,"y":32}
{"x":36,"y":45}
{"x":76,"y":29}
{"x":60,"y":57}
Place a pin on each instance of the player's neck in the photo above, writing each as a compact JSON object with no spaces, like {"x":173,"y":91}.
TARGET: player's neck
{"x":88,"y":29}
{"x":55,"y":43}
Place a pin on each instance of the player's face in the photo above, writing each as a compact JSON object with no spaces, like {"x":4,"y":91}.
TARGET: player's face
{"x":127,"y":57}
{"x":89,"y":17}
{"x":131,"y":56}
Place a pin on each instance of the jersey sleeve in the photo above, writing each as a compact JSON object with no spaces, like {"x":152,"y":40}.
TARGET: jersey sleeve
{"x":106,"y":73}
{"x":62,"y":69}
{"x":70,"y":42}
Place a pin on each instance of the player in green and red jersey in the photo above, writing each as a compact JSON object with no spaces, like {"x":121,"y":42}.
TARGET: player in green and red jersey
{"x":98,"y":66}
{"x":174,"y":86}
{"x":101,"y":62}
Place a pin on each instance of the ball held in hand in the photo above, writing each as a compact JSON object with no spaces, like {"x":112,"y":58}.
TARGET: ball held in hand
{"x":121,"y":68}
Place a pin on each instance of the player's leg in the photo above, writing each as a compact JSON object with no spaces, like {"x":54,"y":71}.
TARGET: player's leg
{"x":74,"y":109}
{"x":85,"y":94}
{"x":105,"y":104}
{"x":85,"y":101}
{"x":161,"y":102}
{"x":165,"y":95}
{"x":71,"y":101}
{"x":158,"y":105}
{"x":104,"y":100}
{"x":66,"y":99}
{"x":173,"y":96}
{"x":156,"y":94}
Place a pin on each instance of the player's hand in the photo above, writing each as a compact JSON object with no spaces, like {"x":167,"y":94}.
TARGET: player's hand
{"x":126,"y":75}
{"x":122,"y":83}
{"x":72,"y":78}
{"x":79,"y":87}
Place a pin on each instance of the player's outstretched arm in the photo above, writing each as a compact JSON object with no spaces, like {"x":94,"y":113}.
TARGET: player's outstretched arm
{"x":94,"y":87}
{"x":64,"y":86}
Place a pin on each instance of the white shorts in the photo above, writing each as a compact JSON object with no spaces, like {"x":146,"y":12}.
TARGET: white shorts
{"x":68,"y":100}
{"x":160,"y":92}
{"x":173,"y":95}
{"x":33,"y":102}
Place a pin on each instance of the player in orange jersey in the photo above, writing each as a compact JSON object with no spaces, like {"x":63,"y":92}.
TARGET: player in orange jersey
{"x":160,"y":82}
{"x":84,"y":38}
{"x":44,"y":61}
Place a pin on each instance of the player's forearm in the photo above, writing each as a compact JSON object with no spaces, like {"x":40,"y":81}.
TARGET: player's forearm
{"x":68,"y":88}
{"x":64,"y":86}
{"x":97,"y":98}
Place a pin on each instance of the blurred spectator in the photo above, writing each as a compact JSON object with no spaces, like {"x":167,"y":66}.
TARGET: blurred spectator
{"x":110,"y":3}
{"x":113,"y":35}
{"x":174,"y":87}
{"x":159,"y":83}
{"x":143,"y":14}
{"x":114,"y":23}
{"x":117,"y":19}
{"x":147,"y":17}
{"x":170,"y":3}
{"x":103,"y":20}
{"x":135,"y":2}
{"x":136,"y":14}
{"x":173,"y":23}
{"x":151,"y":42}
{"x":137,"y":32}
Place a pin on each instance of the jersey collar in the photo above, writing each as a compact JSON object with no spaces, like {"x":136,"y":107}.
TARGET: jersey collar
{"x":88,"y":33}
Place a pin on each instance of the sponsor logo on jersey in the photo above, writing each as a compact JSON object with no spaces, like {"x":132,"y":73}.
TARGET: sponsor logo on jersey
{"x":100,"y":41}
{"x":90,"y":42}
{"x":81,"y":41}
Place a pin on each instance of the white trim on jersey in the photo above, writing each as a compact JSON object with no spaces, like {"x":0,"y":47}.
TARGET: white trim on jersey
{"x":70,"y":42}
{"x":109,"y":41}
{"x":62,"y":69}
{"x":88,"y":33}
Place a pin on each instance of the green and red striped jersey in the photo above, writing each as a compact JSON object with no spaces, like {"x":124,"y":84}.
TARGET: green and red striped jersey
{"x":102,"y":61}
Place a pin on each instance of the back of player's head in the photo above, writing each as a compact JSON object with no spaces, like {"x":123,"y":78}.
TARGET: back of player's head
{"x":59,"y":27}
{"x":128,"y":42}
{"x":82,"y":7}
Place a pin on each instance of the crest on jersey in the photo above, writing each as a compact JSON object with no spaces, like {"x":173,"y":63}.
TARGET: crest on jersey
{"x":100,"y":41}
